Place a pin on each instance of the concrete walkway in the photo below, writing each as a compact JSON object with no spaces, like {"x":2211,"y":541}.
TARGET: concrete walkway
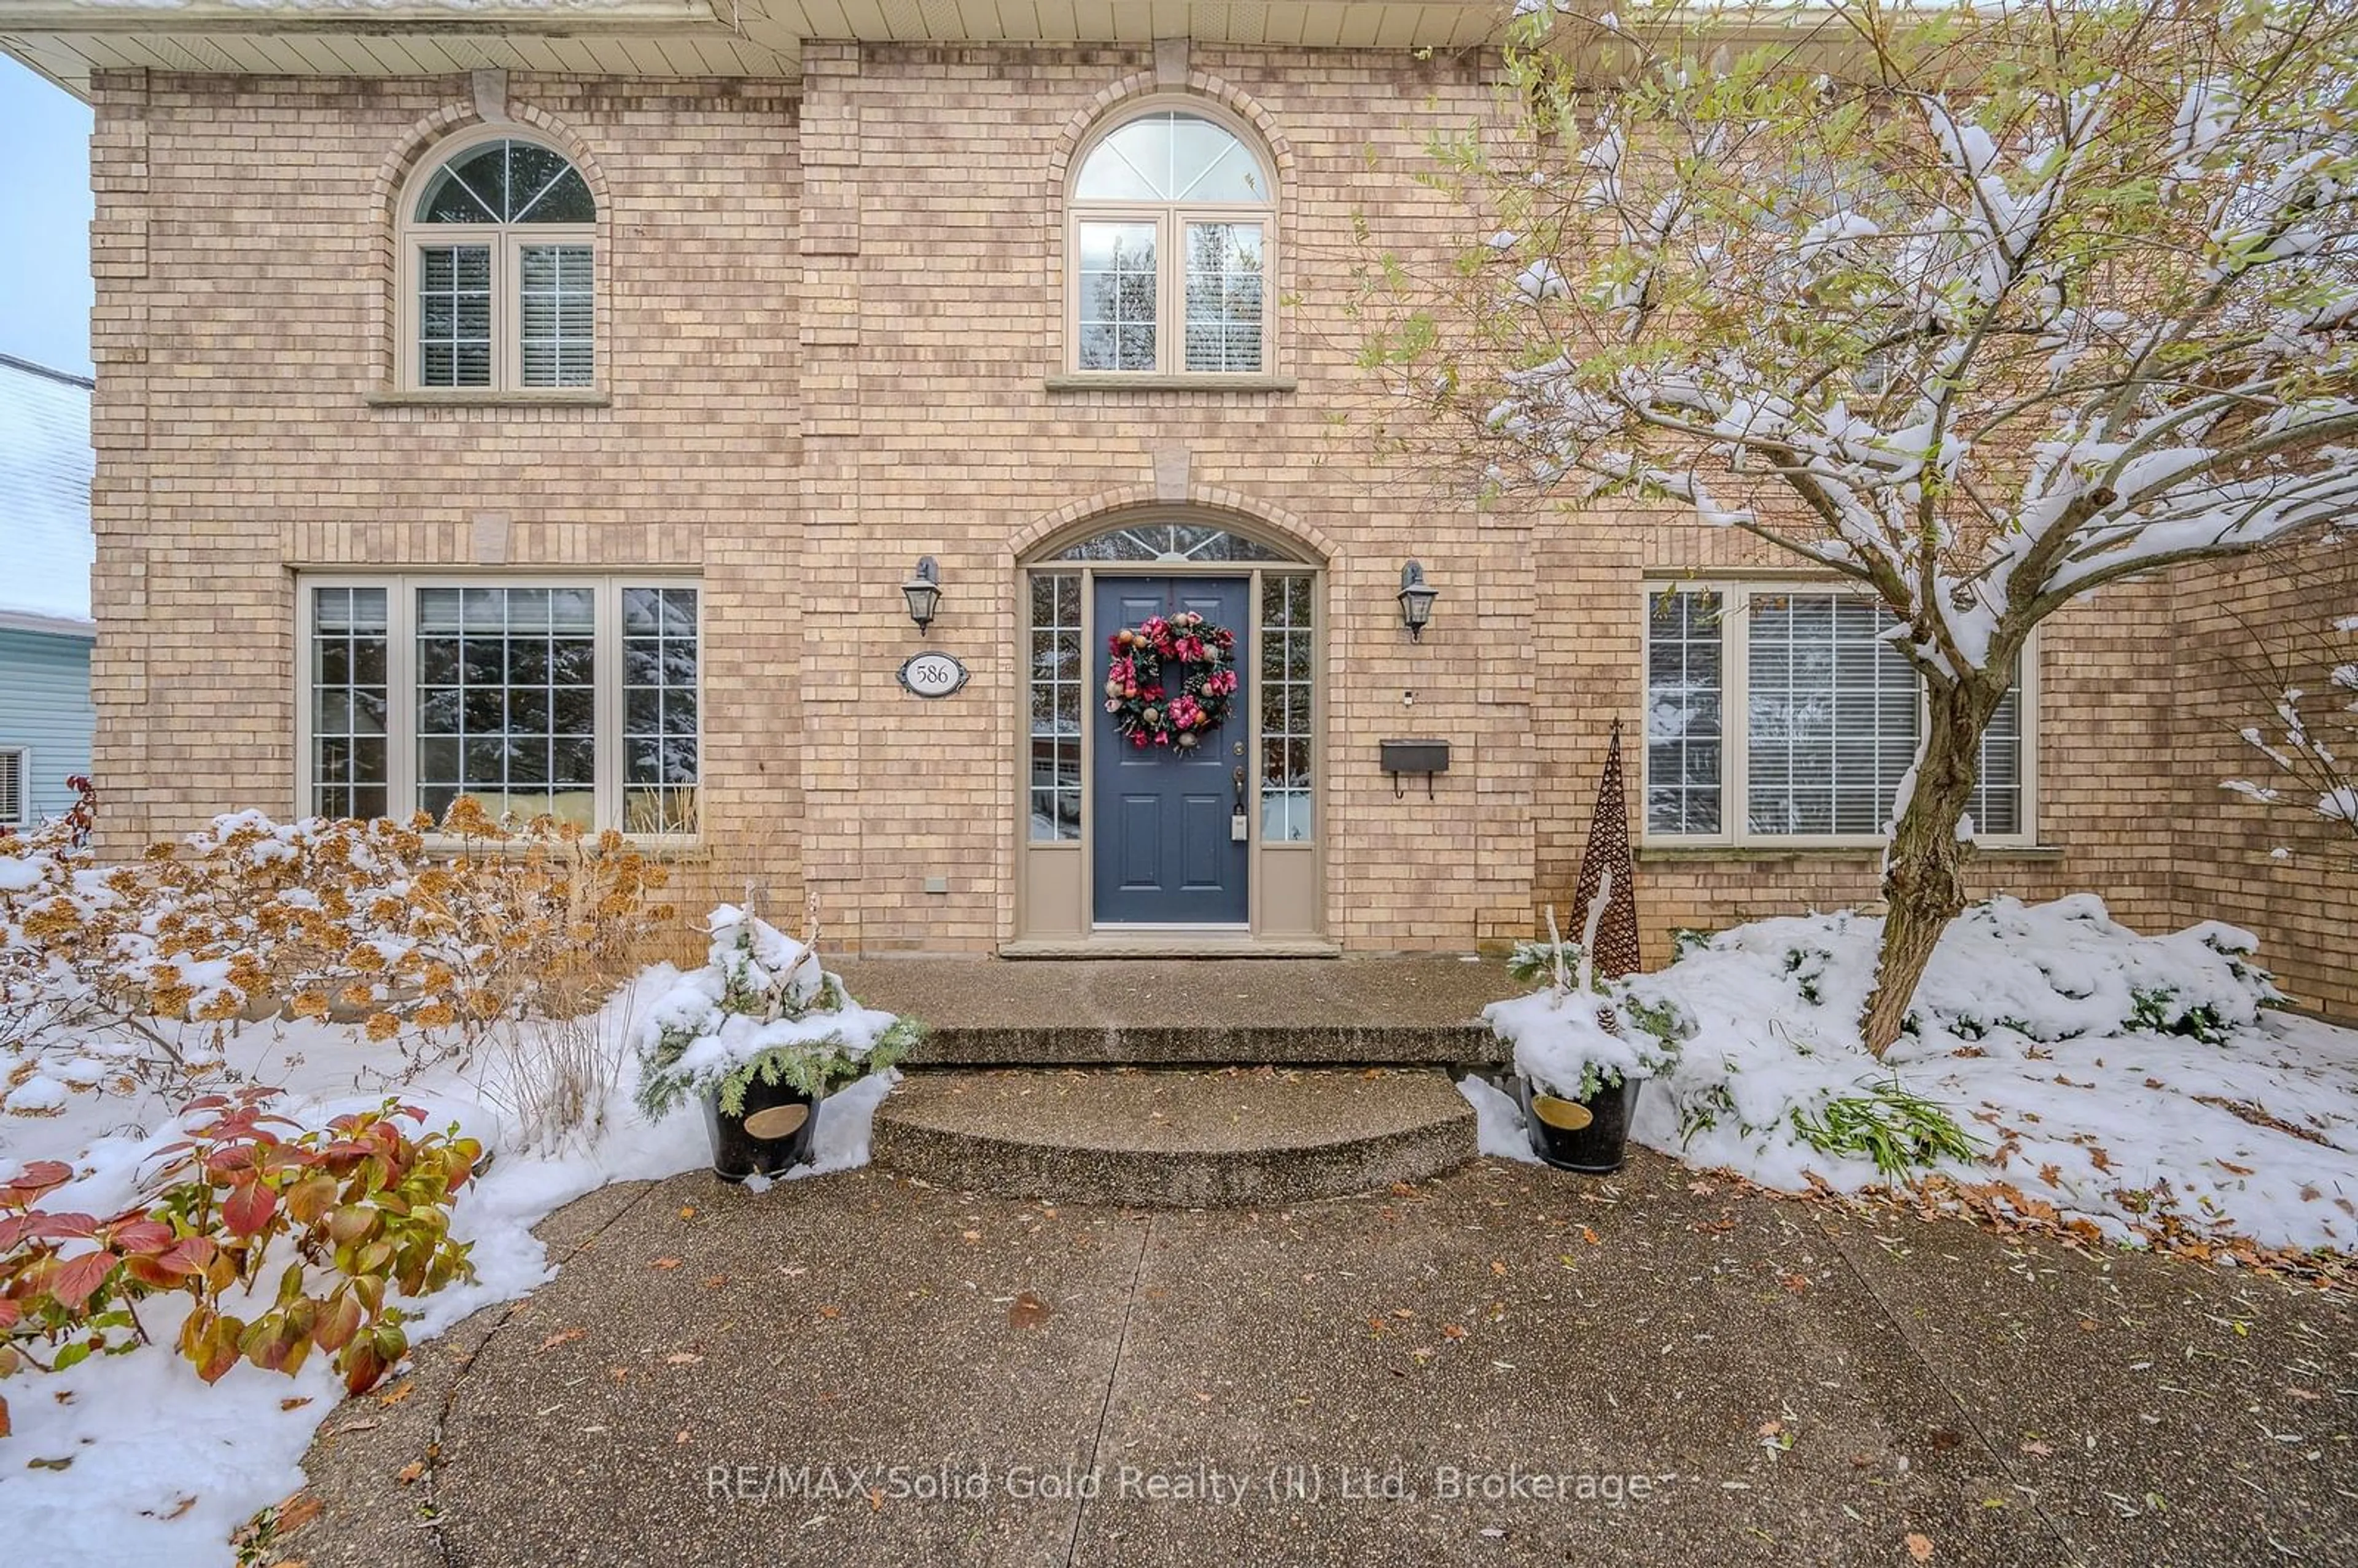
{"x":1470,"y":1371}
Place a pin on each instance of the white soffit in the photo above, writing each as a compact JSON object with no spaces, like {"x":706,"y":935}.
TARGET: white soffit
{"x":68,"y":39}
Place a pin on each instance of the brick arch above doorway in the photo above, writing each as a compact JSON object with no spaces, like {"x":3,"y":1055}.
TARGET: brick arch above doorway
{"x":1045,"y":534}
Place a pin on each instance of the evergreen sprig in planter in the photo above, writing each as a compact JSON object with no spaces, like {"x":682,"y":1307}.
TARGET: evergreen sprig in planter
{"x":1580,"y":1063}
{"x":762,"y":1034}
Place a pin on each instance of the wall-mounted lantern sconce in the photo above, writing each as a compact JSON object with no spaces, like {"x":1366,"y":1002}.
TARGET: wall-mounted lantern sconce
{"x":1416,"y":597}
{"x":924,"y":592}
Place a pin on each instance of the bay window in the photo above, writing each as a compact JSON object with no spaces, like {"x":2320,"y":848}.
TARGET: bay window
{"x":1783,"y":713}
{"x":576,"y":698}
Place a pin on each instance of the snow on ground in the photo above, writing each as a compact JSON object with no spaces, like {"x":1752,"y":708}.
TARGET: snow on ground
{"x":2135,"y":1088}
{"x":160,"y":1468}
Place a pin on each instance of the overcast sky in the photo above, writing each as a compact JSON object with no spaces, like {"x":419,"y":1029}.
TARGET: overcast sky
{"x":44,"y":221}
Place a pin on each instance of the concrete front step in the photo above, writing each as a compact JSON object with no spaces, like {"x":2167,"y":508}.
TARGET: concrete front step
{"x":1206,"y":1046}
{"x":1175,"y":1139}
{"x":1419,"y":1009}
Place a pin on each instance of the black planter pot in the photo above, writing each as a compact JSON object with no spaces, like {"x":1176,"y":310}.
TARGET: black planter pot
{"x":1591,"y":1136}
{"x":774,"y":1133}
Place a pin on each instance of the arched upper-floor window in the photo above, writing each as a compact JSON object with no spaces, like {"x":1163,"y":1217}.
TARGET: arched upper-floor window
{"x":1172,"y":219}
{"x":498,"y":270}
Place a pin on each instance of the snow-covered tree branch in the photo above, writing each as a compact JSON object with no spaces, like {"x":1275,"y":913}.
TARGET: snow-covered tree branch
{"x":2302,"y":735}
{"x":1982,"y":309}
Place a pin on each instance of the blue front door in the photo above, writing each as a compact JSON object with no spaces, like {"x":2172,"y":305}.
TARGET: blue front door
{"x":1165,"y":850}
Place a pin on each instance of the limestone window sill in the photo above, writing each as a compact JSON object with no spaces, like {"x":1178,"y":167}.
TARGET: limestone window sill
{"x":1825,"y":851}
{"x":1114,"y":380}
{"x":483,"y":398}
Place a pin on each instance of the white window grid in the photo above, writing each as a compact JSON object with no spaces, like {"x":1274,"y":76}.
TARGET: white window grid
{"x":526,"y":312}
{"x":402,"y":669}
{"x":1287,"y":689}
{"x":2013,"y":731}
{"x":1059,"y":665}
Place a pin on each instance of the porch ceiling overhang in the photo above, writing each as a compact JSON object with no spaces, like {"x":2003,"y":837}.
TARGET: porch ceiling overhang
{"x":66,"y":40}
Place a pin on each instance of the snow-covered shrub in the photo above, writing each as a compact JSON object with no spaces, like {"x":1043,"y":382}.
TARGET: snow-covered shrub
{"x":339,"y":1217}
{"x":1563,"y":1046}
{"x":1771,"y":1067}
{"x":40,"y":995}
{"x":367,"y":923}
{"x":761,"y":1007}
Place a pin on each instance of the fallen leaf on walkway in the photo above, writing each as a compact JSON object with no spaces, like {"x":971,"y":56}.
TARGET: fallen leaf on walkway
{"x":714,"y":1282}
{"x":1202,"y":1398}
{"x":2231,"y":1168}
{"x":1944,"y":1440}
{"x":562,"y":1336}
{"x":1496,"y":1267}
{"x":2099,"y":1159}
{"x":970,"y":1235}
{"x":2301,"y":1394}
{"x":2035,"y":1448}
{"x":1702,"y":1189}
{"x":1919,"y":1547}
{"x":1451,"y":1331}
{"x":292,"y":1514}
{"x":680,"y":1438}
{"x":665,"y":1263}
{"x":1589,"y":1235}
{"x":295,"y":1404}
{"x":398,"y":1392}
{"x":688,"y":1211}
{"x":620,"y":1374}
{"x":2089,"y":1325}
{"x":1771,"y":1428}
{"x":682,"y":1358}
{"x":1796,"y":1284}
{"x":830,"y":1312}
{"x":410,"y":1472}
{"x":1029,"y":1311}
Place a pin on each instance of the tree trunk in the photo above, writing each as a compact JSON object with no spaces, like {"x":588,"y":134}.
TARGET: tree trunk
{"x":1923,"y":881}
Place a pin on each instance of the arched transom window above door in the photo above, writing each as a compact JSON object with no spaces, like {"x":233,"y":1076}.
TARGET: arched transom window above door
{"x":1169,"y":542}
{"x":1172,"y":226}
{"x":498,"y":271}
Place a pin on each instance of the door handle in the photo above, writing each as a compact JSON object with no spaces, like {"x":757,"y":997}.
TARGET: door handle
{"x":1238,"y":776}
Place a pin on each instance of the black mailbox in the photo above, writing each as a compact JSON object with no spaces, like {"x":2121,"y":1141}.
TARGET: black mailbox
{"x":1426,"y":757}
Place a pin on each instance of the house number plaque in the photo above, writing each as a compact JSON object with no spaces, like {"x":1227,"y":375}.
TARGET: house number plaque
{"x":932,"y":674}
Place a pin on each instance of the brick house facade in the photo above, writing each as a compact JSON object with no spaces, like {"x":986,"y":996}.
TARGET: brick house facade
{"x":835,"y":332}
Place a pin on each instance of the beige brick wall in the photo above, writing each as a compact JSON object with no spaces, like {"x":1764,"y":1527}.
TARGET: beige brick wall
{"x":827,"y":320}
{"x":243,"y":258}
{"x":2239,"y":624}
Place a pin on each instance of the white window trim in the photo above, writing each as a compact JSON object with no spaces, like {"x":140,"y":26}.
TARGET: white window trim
{"x":505,"y":242}
{"x":23,"y":819}
{"x":1735,"y":708}
{"x":401,"y":681}
{"x":1170,"y":219}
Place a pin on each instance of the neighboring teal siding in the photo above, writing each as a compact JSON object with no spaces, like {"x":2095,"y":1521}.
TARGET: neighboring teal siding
{"x":44,"y":708}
